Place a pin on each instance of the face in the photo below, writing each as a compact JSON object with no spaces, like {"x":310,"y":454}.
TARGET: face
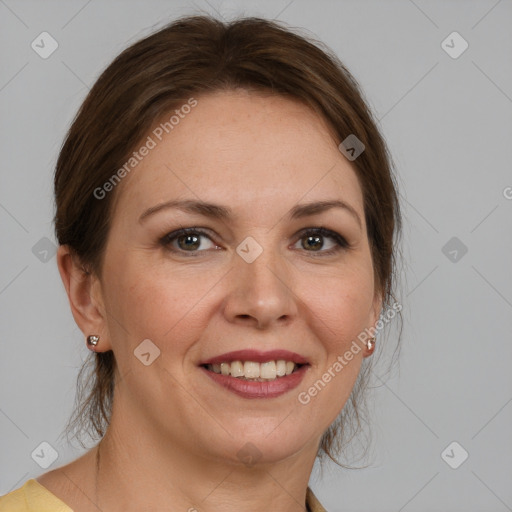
{"x":253,"y":273}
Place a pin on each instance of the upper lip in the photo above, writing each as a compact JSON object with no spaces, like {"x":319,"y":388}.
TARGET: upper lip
{"x":257,"y":356}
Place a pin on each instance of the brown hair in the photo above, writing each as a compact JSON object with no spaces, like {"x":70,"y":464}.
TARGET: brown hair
{"x":191,"y":56}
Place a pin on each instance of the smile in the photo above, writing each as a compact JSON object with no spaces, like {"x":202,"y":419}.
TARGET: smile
{"x":253,"y":374}
{"x":251,"y":370}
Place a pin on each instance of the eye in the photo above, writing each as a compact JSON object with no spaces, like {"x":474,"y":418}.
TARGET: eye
{"x":190,"y":240}
{"x":313,"y":241}
{"x":186,"y":240}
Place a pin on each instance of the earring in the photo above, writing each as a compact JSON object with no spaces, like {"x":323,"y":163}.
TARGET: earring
{"x":370,"y":344}
{"x":92,"y":341}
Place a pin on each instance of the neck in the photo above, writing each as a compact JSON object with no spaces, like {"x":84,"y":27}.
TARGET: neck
{"x":158,"y":474}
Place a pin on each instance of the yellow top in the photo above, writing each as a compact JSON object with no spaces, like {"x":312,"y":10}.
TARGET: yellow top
{"x":33,"y":497}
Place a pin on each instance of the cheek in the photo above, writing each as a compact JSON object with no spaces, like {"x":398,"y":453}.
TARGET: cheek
{"x":340,"y":305}
{"x":149,"y":304}
{"x":172,"y":307}
{"x":337,"y":312}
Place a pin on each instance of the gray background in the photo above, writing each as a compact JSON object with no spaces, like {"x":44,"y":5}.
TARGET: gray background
{"x":449,"y":125}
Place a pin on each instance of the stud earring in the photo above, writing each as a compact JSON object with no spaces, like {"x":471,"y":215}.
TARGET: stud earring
{"x":92,"y":341}
{"x":370,"y":344}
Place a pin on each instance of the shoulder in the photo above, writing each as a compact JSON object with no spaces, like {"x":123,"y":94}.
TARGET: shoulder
{"x":312,"y":503}
{"x":14,"y":501}
{"x":32,"y":497}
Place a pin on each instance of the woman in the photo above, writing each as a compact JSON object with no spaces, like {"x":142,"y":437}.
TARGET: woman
{"x":226,"y":214}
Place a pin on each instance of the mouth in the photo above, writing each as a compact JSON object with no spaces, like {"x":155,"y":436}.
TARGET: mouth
{"x":253,"y":371}
{"x":253,"y":374}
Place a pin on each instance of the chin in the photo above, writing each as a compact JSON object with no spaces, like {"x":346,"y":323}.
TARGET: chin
{"x":262,"y":446}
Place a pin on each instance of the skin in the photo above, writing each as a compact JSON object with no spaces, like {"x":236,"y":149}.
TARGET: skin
{"x":174,"y":432}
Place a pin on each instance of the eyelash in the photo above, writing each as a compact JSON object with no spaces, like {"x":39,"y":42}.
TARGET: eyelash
{"x":341,"y":243}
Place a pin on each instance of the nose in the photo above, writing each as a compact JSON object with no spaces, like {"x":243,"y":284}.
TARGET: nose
{"x":260,"y":293}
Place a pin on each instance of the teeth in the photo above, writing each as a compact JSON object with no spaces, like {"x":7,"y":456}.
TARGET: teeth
{"x":250,"y":370}
{"x":237,"y":369}
{"x":268,"y":370}
{"x":281,"y":368}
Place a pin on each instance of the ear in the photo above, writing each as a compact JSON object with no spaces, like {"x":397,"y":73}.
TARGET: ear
{"x":376,"y":308}
{"x":375,"y":311}
{"x":85,"y":297}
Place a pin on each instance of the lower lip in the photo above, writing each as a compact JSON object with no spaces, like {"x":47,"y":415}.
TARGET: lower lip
{"x":253,"y":389}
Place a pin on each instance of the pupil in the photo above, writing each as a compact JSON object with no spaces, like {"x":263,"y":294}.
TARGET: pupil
{"x":194,"y":244}
{"x":317,"y":241}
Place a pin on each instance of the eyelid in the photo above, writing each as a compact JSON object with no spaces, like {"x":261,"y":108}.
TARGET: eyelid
{"x":328,"y":233}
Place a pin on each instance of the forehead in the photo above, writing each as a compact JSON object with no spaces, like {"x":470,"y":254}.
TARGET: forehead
{"x":246,"y":148}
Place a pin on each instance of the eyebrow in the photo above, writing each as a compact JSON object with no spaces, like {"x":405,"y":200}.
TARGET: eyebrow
{"x":225,"y":213}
